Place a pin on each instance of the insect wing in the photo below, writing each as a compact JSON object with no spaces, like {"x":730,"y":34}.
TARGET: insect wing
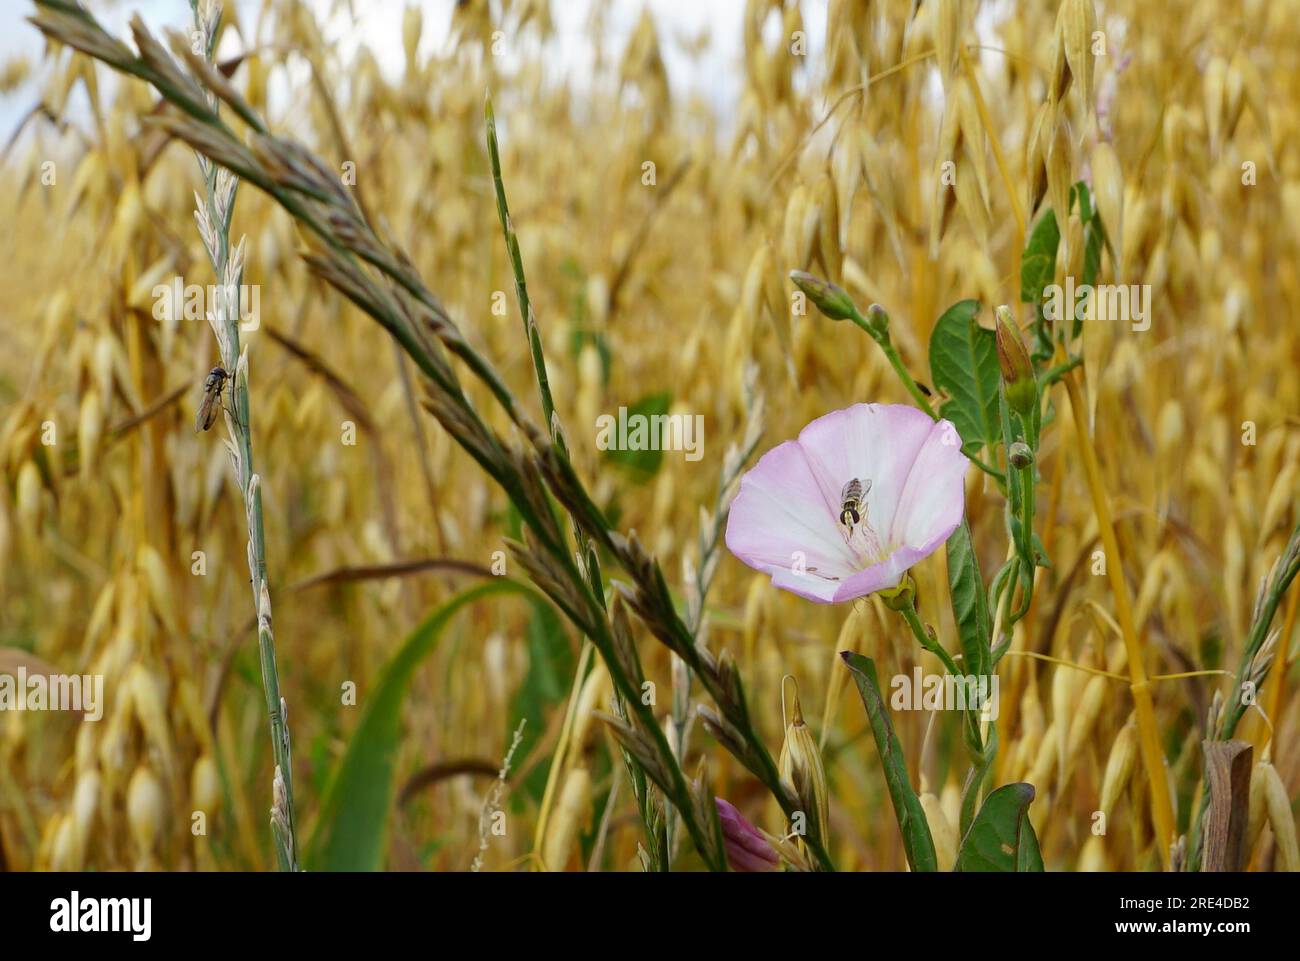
{"x":207,"y":411}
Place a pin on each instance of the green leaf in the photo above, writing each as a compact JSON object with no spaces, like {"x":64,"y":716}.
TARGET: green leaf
{"x":632,"y":452}
{"x":970,"y":607}
{"x":917,"y":841}
{"x":1001,"y":837}
{"x":1028,"y":857}
{"x":1038,"y":262}
{"x":1040,"y":554}
{"x":351,"y":832}
{"x":964,"y":364}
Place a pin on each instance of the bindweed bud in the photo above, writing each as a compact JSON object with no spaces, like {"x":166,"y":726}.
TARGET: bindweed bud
{"x":830,"y":299}
{"x":747,"y":849}
{"x":878,"y":322}
{"x":1013,"y":360}
{"x":1020,"y":455}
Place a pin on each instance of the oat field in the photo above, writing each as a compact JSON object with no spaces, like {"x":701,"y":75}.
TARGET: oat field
{"x":853,"y":436}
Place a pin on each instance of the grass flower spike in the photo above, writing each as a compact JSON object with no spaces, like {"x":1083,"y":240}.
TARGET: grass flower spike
{"x":843,"y":511}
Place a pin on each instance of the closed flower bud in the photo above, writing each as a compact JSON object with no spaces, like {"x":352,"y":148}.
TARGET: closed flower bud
{"x":830,"y":299}
{"x":878,"y":322}
{"x":1020,"y":455}
{"x":1013,"y":360}
{"x":747,"y":849}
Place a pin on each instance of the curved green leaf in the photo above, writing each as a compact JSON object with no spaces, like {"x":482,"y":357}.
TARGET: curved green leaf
{"x":1001,"y":837}
{"x":917,"y":841}
{"x":964,"y":364}
{"x":1028,"y":857}
{"x":969,"y":603}
{"x":351,"y":831}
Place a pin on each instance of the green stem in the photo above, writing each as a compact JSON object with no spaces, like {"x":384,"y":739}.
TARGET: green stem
{"x":981,"y":753}
{"x":657,"y":828}
{"x":881,"y":336}
{"x":930,"y":643}
{"x":286,"y":842}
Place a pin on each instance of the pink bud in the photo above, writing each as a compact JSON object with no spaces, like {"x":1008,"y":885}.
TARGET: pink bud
{"x":747,"y":849}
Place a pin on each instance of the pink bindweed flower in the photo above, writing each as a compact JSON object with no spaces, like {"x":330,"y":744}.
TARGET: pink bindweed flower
{"x":843,"y":511}
{"x":747,"y":849}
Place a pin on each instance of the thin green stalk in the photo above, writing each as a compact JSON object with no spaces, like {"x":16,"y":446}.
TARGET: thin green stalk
{"x":982,"y":749}
{"x":908,"y":610}
{"x":215,"y":219}
{"x":656,"y":827}
{"x":526,"y":314}
{"x":906,"y":606}
{"x":878,"y":330}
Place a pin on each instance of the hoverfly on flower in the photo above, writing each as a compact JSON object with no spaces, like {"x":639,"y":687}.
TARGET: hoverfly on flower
{"x":851,"y":503}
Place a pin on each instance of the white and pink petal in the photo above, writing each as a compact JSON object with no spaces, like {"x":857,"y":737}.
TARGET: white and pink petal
{"x":784,"y":520}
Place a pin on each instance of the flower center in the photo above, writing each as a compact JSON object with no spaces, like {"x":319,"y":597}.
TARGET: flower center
{"x":854,"y":525}
{"x":865,"y":543}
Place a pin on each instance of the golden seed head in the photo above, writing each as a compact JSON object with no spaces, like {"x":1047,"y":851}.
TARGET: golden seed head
{"x":801,"y":768}
{"x":1119,"y":767}
{"x":1277,"y":805}
{"x":144,"y":810}
{"x":205,"y":785}
{"x":941,"y":830}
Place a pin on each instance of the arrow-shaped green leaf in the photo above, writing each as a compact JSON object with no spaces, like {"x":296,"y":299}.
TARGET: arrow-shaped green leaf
{"x":1001,"y":837}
